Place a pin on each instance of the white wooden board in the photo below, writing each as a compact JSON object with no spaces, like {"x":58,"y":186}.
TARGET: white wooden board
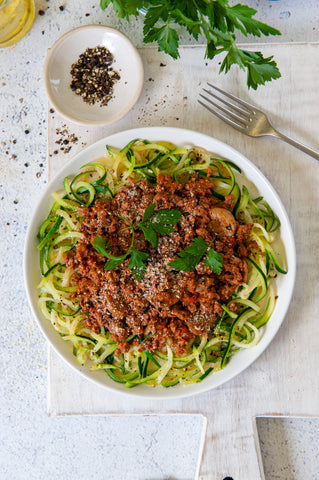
{"x":284,"y":380}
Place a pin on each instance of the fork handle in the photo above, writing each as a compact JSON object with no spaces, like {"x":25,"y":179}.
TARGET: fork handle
{"x":296,"y":144}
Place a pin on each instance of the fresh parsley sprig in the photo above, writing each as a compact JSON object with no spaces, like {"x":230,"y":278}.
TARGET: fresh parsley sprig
{"x":159,"y":223}
{"x":99,"y":243}
{"x":152,"y":225}
{"x":214,"y":260}
{"x":189,"y":258}
{"x":137,"y":263}
{"x":216,"y":20}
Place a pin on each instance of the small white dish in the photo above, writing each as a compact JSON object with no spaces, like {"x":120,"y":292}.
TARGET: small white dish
{"x":181,"y":138}
{"x":66,"y":51}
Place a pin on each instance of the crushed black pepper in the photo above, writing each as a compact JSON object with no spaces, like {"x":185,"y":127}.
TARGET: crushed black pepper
{"x":93,"y":76}
{"x":65,"y":140}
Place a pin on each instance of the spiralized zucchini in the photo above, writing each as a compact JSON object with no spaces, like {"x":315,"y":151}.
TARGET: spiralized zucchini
{"x":60,"y":231}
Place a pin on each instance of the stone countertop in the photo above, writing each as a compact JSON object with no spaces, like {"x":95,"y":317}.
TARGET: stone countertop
{"x":32,"y":445}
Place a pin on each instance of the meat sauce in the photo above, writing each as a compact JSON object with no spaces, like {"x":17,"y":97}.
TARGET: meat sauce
{"x":166,"y":306}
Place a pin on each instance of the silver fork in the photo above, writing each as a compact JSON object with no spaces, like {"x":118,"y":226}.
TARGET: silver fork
{"x":245,"y":117}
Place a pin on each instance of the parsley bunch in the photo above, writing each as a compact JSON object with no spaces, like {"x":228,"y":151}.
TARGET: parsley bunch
{"x":216,"y":20}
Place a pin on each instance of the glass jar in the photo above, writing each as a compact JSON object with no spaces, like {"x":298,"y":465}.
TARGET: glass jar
{"x":16,"y":19}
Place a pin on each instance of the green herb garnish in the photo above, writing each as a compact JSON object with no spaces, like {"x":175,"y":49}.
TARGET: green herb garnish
{"x":216,"y":20}
{"x":137,"y":263}
{"x":151,"y":225}
{"x":159,"y":223}
{"x":99,"y":243}
{"x":192,"y":255}
{"x":214,"y":260}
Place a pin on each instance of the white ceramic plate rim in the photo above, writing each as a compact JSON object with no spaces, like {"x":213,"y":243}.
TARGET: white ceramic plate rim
{"x":179,"y":137}
{"x":139,"y":73}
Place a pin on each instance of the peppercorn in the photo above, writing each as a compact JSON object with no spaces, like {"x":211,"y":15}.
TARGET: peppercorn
{"x":93,"y":77}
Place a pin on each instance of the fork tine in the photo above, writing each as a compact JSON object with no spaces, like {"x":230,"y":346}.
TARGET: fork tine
{"x":238,"y":110}
{"x":230,"y":115}
{"x":222,"y":117}
{"x":249,"y":107}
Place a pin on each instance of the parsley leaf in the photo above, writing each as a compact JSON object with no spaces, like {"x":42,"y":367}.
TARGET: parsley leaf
{"x":148,"y":212}
{"x":136,"y":263}
{"x":169,"y":42}
{"x":153,"y":15}
{"x":166,"y":37}
{"x":159,"y":223}
{"x":190,"y":256}
{"x":111,"y":264}
{"x":214,"y":261}
{"x":99,"y":243}
{"x":150,"y":235}
{"x":259,"y":69}
{"x":241,"y":18}
{"x":124,"y":8}
{"x":190,"y":21}
{"x":216,"y":20}
{"x":163,"y":220}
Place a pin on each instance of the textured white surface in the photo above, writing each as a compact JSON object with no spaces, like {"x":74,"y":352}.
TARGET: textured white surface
{"x":283,"y":449}
{"x":31,"y":444}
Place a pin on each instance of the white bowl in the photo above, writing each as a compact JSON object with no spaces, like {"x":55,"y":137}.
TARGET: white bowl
{"x":180,"y":137}
{"x":66,"y":51}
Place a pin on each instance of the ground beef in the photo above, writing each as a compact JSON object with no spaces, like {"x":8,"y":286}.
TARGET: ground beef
{"x":166,"y":305}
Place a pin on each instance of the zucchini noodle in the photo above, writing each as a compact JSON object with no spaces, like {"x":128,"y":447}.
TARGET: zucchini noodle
{"x":233,"y":331}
